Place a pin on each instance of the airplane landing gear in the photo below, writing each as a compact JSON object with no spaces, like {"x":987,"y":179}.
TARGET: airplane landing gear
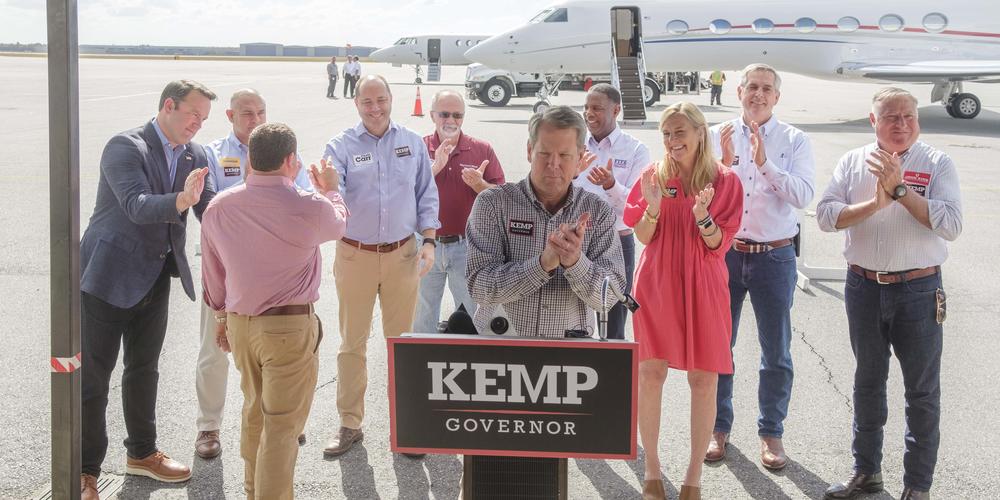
{"x":957,"y":102}
{"x":550,"y":87}
{"x":419,"y":72}
{"x":540,"y":107}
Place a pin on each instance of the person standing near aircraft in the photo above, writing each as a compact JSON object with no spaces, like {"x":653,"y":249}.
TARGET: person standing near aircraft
{"x":387,"y":182}
{"x":774,"y":162}
{"x":898,"y":200}
{"x":150,"y":177}
{"x":613,"y":165}
{"x":463,"y":167}
{"x":686,"y":210}
{"x":349,"y":78}
{"x":717,"y":78}
{"x":331,"y":74}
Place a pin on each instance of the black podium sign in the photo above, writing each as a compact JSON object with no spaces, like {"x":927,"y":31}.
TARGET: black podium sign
{"x":513,"y":396}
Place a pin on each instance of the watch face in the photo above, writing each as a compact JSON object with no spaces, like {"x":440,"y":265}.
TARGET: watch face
{"x":899,"y":191}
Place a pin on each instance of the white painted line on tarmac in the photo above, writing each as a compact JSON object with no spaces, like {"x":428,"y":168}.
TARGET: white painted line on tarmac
{"x":109,"y":98}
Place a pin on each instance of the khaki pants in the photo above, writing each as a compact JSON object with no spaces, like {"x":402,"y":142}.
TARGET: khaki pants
{"x":362,"y":276}
{"x":278,"y":364}
{"x":211,"y":375}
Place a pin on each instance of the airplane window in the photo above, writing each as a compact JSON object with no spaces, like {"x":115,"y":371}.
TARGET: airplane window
{"x":401,"y":41}
{"x":557,"y":16}
{"x":677,"y":27}
{"x":935,"y":22}
{"x":763,"y":26}
{"x":891,"y":23}
{"x":720,"y":26}
{"x":540,"y":16}
{"x":805,"y":25}
{"x":458,"y":43}
{"x":848,"y":24}
{"x":468,"y":43}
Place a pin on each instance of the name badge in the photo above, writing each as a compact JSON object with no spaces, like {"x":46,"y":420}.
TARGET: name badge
{"x":521,"y":227}
{"x":230,"y":166}
{"x":918,"y":181}
{"x":736,"y":161}
{"x":620,"y":163}
{"x":402,"y":152}
{"x":363,"y":159}
{"x":670,"y":192}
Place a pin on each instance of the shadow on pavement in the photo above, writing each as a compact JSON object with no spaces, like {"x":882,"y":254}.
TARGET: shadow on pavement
{"x":357,"y":475}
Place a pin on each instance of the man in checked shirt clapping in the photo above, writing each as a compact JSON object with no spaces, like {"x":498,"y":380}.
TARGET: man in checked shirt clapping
{"x":542,"y":247}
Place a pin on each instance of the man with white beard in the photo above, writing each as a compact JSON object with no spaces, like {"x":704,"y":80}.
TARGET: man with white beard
{"x":463,"y":167}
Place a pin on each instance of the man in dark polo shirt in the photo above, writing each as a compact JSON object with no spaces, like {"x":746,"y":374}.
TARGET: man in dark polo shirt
{"x":463,"y":167}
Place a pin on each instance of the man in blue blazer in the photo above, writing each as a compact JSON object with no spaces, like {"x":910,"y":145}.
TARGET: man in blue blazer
{"x":150,"y":177}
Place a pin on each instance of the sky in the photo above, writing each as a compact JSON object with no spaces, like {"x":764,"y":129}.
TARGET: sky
{"x":227,"y":23}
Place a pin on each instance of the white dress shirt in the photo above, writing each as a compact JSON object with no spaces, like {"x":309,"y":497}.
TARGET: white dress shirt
{"x":774,"y":192}
{"x":628,"y":158}
{"x":892,"y":239}
{"x":228,"y":160}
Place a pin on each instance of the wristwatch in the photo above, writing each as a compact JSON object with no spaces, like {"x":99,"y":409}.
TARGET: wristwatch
{"x":899,"y":191}
{"x":432,"y":241}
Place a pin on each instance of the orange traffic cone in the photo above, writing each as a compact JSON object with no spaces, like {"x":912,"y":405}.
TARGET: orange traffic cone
{"x":418,"y":109}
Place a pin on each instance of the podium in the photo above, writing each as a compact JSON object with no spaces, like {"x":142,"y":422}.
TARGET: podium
{"x":503,"y":397}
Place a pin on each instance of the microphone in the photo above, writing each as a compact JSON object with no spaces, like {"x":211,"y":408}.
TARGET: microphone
{"x":460,"y":322}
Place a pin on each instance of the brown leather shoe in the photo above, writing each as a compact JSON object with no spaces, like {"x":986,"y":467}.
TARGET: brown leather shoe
{"x":912,"y":494}
{"x":302,"y":439}
{"x":158,"y":466}
{"x":343,"y":442}
{"x":88,"y":487}
{"x":207,"y":444}
{"x":717,"y":447}
{"x":690,"y":493}
{"x":653,"y":490}
{"x":855,"y":485}
{"x":772,"y":453}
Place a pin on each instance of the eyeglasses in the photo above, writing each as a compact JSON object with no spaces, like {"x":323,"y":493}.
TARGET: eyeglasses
{"x":942,"y":305}
{"x":449,"y":114}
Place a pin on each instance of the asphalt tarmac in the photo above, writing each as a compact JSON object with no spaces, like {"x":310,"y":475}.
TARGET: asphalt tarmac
{"x":116,"y":95}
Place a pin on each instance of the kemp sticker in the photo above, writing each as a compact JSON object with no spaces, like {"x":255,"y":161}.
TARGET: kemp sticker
{"x":231,"y":166}
{"x":524,"y":228}
{"x":620,"y":163}
{"x":402,"y":151}
{"x":918,"y":181}
{"x":363,"y":159}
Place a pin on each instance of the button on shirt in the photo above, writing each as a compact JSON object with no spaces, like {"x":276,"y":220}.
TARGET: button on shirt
{"x":507,"y":231}
{"x":628,"y":157}
{"x":261,"y":244}
{"x":456,"y":196}
{"x":893,"y":240}
{"x":774,"y":192}
{"x":228,"y":163}
{"x":387,"y":183}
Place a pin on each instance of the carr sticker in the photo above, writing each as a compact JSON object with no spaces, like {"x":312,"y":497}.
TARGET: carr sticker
{"x":521,"y":227}
{"x":363,"y":159}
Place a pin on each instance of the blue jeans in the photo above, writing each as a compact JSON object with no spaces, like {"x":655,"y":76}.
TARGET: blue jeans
{"x":769,"y":279}
{"x":618,"y":313}
{"x":901,"y":319}
{"x":449,"y":264}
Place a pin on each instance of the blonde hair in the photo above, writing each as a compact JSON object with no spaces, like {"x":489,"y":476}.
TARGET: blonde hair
{"x":705,"y":165}
{"x":888,"y":94}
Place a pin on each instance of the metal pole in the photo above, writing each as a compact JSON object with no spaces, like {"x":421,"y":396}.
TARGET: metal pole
{"x":64,"y":213}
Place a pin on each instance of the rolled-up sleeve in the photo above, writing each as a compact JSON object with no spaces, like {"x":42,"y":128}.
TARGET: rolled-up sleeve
{"x":834,"y":200}
{"x":213,"y":274}
{"x":944,"y":202}
{"x":490,"y":277}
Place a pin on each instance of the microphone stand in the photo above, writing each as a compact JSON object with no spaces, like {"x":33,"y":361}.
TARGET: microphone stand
{"x":602,"y":315}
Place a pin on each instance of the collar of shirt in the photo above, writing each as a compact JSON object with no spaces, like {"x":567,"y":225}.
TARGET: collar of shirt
{"x":360,"y":130}
{"x":165,"y":141}
{"x":235,"y":142}
{"x":529,"y":191}
{"x":610,"y":139}
{"x":463,"y":142}
{"x":764,"y":127}
{"x":268,"y":180}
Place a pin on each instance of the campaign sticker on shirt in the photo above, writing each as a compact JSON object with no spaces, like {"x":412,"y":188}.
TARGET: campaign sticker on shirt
{"x":618,"y":163}
{"x":402,"y":152}
{"x":918,"y":181}
{"x":231,"y":166}
{"x":736,"y":160}
{"x":669,"y":192}
{"x":363,"y":159}
{"x":522,"y":227}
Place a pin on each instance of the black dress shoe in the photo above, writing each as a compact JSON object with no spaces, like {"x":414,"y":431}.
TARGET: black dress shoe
{"x":857,"y":484}
{"x":912,"y":494}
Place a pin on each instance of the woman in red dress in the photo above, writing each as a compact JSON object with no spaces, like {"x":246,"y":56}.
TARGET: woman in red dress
{"x":686,"y":210}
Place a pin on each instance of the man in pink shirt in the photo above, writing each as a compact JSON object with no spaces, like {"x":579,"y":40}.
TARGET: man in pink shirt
{"x":261,"y":273}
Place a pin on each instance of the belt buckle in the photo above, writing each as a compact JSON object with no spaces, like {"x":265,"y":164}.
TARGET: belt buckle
{"x":878,"y":277}
{"x":384,"y":248}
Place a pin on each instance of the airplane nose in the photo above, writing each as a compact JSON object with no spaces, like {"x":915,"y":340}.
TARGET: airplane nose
{"x":489,"y":52}
{"x":382,"y":55}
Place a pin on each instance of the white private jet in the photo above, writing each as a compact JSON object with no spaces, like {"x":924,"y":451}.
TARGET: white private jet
{"x":433,"y":50}
{"x":921,"y":41}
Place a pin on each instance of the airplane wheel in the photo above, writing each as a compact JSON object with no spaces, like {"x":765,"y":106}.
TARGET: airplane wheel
{"x":540,"y":106}
{"x":950,"y":110}
{"x":650,"y":92}
{"x":418,"y":81}
{"x":965,"y":106}
{"x":495,"y":93}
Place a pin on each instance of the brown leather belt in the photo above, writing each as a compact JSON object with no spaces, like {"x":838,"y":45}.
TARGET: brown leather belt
{"x":288,"y":310}
{"x":890,"y":278}
{"x":451,"y":238}
{"x":378,"y":247}
{"x":755,"y":247}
